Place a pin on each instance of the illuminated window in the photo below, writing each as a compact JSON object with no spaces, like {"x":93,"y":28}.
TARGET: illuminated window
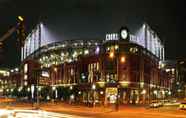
{"x":167,"y":70}
{"x":25,"y":83}
{"x":116,"y":47}
{"x":86,"y":52}
{"x":133,"y":50}
{"x":25,"y":77}
{"x":25,"y":68}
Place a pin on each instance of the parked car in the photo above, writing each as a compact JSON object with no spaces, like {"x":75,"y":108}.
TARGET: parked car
{"x":182,"y":105}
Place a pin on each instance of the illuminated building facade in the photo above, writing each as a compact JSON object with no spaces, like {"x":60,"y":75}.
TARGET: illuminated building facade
{"x":121,"y":68}
{"x":9,"y":80}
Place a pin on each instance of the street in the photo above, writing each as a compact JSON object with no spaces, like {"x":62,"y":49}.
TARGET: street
{"x":33,"y":114}
{"x":62,"y":110}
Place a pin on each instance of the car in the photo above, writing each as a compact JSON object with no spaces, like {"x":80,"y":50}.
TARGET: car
{"x":182,"y":105}
{"x":155,"y":105}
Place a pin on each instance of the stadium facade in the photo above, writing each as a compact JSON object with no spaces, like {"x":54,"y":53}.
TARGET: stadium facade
{"x":122,"y":68}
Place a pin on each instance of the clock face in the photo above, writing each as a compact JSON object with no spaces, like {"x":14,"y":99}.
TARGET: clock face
{"x":124,"y":34}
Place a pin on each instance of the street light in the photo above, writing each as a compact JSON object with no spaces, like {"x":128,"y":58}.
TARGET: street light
{"x":20,"y":18}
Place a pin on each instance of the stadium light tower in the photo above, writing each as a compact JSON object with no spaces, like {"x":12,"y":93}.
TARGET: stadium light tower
{"x":20,"y":18}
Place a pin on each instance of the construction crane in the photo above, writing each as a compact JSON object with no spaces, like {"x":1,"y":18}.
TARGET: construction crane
{"x":20,"y":31}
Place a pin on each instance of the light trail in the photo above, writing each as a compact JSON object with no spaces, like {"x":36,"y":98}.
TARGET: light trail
{"x":34,"y":114}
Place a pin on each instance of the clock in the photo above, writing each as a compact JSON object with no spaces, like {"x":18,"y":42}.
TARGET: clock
{"x":124,"y":34}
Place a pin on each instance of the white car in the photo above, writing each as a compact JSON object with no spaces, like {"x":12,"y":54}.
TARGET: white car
{"x":155,"y":104}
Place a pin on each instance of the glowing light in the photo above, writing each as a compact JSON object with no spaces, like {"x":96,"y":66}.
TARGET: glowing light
{"x":122,"y":60}
{"x":155,"y":92}
{"x":93,"y":86}
{"x":25,"y":83}
{"x":111,"y":54}
{"x":20,"y":88}
{"x":39,"y":88}
{"x":45,"y":74}
{"x":55,"y":69}
{"x":75,"y":44}
{"x":56,"y":93}
{"x":25,"y":68}
{"x":144,"y":91}
{"x":20,"y":18}
{"x":142,"y":84}
{"x":86,"y":52}
{"x":4,"y":72}
{"x":62,"y":54}
{"x":28,"y":89}
{"x":71,"y":87}
{"x":116,"y":47}
{"x":16,"y":69}
{"x":167,"y":70}
{"x":53,"y":88}
{"x":101,"y":84}
{"x":48,"y":97}
{"x":69,"y":60}
{"x":74,"y":55}
{"x":89,"y":43}
{"x":101,"y":92}
{"x":124,"y":83}
{"x":97,"y":50}
{"x":72,"y":97}
{"x":63,"y":45}
{"x":32,"y":91}
{"x":79,"y":92}
{"x":163,"y":92}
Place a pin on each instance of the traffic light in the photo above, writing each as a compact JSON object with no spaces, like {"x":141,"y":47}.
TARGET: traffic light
{"x":21,"y":30}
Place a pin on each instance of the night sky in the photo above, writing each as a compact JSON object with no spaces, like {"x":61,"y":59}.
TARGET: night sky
{"x":72,"y":19}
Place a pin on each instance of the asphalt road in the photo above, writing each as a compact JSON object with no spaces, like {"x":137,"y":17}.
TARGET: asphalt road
{"x":34,"y":114}
{"x":76,"y":111}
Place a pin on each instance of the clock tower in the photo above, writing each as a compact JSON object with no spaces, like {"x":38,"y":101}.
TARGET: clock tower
{"x":124,"y":34}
